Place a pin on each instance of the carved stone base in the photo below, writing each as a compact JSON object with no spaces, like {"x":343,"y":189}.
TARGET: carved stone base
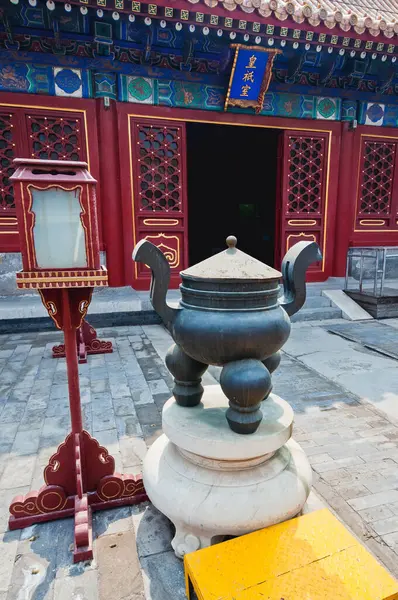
{"x":206,"y":503}
{"x":212,"y":482}
{"x":86,"y":342}
{"x":79,"y":478}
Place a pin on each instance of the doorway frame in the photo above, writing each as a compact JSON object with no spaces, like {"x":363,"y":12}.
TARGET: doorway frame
{"x":332,"y":129}
{"x":239,"y":149}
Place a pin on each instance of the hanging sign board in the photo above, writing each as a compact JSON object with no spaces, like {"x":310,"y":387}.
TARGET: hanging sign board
{"x":250,"y":76}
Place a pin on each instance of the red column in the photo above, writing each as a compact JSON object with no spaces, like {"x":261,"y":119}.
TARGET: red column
{"x":345,"y":200}
{"x":111,"y":209}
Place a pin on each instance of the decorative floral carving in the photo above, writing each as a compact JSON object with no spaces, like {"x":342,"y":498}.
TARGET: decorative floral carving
{"x":377,"y":177}
{"x":159,"y":151}
{"x":7,"y":155}
{"x":306,"y":162}
{"x":55,"y":138}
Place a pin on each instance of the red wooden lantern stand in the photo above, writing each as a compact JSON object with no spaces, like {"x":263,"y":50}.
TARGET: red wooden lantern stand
{"x":79,"y":477}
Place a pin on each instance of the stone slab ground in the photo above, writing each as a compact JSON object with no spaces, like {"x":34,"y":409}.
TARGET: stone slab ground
{"x":346,"y":403}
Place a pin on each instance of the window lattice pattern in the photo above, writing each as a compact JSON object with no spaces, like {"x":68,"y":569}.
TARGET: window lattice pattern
{"x":159,"y":150}
{"x":7,"y":155}
{"x":305,"y":179}
{"x":55,"y":138}
{"x":377,"y":178}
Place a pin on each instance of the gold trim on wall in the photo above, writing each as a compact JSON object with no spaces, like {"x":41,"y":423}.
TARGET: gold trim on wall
{"x":176,"y":263}
{"x":233,"y":124}
{"x":299,"y":222}
{"x":299,"y":235}
{"x":132,"y":191}
{"x":160,"y":222}
{"x":372,"y":223}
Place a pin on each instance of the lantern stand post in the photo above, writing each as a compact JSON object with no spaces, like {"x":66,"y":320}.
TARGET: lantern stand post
{"x":80,"y":477}
{"x":72,"y":366}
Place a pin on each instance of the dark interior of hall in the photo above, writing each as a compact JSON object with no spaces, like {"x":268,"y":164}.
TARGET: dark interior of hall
{"x":232,"y":175}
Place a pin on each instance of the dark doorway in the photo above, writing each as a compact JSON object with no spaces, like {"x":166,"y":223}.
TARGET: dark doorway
{"x":232,"y":173}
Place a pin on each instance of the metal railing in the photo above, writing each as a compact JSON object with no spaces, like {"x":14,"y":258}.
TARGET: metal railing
{"x":372,"y":271}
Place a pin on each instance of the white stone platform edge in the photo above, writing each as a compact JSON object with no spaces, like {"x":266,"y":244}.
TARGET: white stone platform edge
{"x":350,"y":309}
{"x":193,"y":429}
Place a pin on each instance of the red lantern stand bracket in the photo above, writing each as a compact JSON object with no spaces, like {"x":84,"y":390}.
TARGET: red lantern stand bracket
{"x":87,"y":343}
{"x":79,"y":477}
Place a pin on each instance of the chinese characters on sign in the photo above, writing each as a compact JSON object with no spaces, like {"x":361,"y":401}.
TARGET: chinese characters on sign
{"x":250,"y":77}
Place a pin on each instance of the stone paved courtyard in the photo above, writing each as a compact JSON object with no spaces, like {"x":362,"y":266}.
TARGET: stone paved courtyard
{"x":346,"y":402}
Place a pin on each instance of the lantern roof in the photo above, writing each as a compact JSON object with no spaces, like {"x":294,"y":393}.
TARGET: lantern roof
{"x":61,"y":171}
{"x":231,"y":264}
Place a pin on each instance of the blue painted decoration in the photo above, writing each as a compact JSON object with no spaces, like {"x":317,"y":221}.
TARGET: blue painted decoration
{"x":250,"y":77}
{"x":105,"y":85}
{"x":35,"y":78}
{"x":390,"y":115}
{"x":68,"y":81}
{"x":185,"y":94}
{"x":13,"y":78}
{"x":378,"y":115}
{"x":349,"y":110}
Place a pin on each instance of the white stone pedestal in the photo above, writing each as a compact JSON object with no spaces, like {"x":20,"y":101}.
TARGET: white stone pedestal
{"x":211,"y":482}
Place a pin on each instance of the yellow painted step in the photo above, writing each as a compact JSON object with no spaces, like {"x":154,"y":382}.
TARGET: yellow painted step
{"x":312,"y":557}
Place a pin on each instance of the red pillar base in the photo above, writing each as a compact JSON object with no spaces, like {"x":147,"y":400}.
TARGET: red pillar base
{"x":86,"y":342}
{"x":80,"y":463}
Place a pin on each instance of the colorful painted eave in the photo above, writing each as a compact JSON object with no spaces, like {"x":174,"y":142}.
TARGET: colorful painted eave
{"x":377,"y":18}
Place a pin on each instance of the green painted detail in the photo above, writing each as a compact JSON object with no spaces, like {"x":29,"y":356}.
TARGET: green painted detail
{"x":140,"y":89}
{"x":326,"y":108}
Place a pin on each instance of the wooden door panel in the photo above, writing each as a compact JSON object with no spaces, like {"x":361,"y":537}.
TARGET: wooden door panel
{"x":55,"y":135}
{"x":303,"y":190}
{"x":377,"y":193}
{"x":159,"y":192}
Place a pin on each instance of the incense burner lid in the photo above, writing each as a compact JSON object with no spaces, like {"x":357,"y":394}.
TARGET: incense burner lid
{"x":231,"y":279}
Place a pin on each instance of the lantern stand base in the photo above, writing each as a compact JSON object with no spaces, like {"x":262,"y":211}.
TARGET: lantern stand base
{"x":87,"y":344}
{"x":78,"y":458}
{"x":80,"y":477}
{"x":212,"y":482}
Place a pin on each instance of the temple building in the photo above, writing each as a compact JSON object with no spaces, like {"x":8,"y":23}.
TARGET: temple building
{"x":273,"y":121}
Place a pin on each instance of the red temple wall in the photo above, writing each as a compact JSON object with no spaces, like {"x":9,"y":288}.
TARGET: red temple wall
{"x":336,"y":185}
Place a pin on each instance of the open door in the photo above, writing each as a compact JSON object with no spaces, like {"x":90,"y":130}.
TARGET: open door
{"x":303,"y":160}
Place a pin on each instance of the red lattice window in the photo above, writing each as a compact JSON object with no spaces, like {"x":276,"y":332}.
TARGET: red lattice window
{"x":55,"y":138}
{"x":7,"y":155}
{"x":305,"y":177}
{"x":159,"y":167}
{"x":376,"y":190}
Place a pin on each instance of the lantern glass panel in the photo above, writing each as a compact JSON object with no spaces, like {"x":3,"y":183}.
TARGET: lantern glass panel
{"x":58,"y":233}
